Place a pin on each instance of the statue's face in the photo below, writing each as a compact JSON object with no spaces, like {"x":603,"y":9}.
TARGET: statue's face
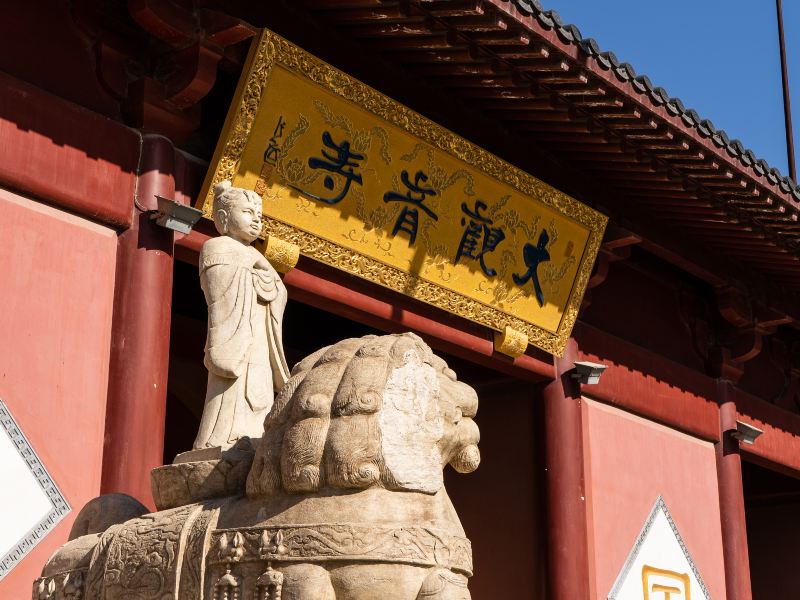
{"x":243,"y":218}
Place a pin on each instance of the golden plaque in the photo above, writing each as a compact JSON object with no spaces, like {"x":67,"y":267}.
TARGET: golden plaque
{"x":362,"y":183}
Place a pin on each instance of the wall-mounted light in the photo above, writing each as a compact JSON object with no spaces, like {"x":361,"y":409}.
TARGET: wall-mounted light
{"x":745,"y":432}
{"x":176,"y":216}
{"x":588,"y":373}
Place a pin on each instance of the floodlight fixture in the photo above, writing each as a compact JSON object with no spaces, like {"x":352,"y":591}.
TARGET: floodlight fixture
{"x":745,"y":432}
{"x":588,"y":373}
{"x":176,"y":216}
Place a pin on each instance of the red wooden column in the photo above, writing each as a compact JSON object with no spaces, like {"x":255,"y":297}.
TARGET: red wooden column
{"x":137,"y":389}
{"x":731,"y":501}
{"x":568,"y":554}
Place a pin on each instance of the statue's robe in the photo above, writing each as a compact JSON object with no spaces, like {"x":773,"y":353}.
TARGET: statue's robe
{"x":244,"y":350}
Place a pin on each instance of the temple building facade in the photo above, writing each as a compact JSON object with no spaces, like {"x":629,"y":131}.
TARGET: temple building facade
{"x":487,"y":222}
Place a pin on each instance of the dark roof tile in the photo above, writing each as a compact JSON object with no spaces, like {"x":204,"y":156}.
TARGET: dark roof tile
{"x":571,"y":33}
{"x":545,"y":18}
{"x":607,"y":60}
{"x":642,"y":84}
{"x":604,"y":59}
{"x":659,"y":95}
{"x":589,"y":46}
{"x":675,"y":107}
{"x":691,"y":118}
{"x":625,"y":72}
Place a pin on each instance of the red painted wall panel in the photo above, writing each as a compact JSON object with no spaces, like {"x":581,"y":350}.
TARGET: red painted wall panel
{"x":56,"y":294}
{"x":649,"y":384}
{"x":779,"y":445}
{"x":629,"y":461}
{"x":66,"y":155}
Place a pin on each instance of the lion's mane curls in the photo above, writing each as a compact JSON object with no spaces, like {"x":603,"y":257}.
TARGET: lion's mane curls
{"x":324,"y":430}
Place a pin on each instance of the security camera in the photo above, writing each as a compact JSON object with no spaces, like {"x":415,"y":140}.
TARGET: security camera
{"x":588,"y":372}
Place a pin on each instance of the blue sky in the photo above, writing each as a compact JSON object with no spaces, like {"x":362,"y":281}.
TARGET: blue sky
{"x":719,"y":57}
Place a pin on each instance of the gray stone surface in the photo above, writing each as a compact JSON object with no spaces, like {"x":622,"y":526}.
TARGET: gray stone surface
{"x":202,"y":474}
{"x":246,"y":299}
{"x":344,"y":499}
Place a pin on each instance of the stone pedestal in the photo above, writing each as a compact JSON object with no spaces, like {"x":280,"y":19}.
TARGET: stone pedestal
{"x":199,"y":475}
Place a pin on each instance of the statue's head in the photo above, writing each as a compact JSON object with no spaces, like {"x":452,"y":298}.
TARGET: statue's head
{"x":237,"y":212}
{"x":369,"y":412}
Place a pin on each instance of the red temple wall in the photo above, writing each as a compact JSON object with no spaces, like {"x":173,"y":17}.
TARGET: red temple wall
{"x":55,"y":322}
{"x":629,"y":462}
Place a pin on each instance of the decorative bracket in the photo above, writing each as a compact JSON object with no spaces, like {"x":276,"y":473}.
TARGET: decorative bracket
{"x":510,"y":342}
{"x":616,"y":246}
{"x":281,"y":254}
{"x":168,"y":66}
{"x":750,"y":323}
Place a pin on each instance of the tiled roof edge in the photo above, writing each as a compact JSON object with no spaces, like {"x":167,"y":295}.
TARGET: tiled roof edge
{"x":550,"y":19}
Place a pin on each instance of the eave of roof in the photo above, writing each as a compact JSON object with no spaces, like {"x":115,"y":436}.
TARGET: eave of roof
{"x":658,"y":96}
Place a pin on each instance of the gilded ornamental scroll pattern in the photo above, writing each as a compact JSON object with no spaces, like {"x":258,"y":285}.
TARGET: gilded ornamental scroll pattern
{"x":493,"y":305}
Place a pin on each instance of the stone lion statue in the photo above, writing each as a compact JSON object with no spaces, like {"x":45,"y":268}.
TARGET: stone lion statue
{"x":343,"y":497}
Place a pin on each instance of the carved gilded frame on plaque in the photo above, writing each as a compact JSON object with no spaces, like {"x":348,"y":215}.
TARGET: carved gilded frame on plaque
{"x":270,"y":49}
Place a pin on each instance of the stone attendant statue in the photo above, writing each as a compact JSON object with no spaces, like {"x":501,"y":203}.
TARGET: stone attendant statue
{"x":246,"y":300}
{"x":343,"y":498}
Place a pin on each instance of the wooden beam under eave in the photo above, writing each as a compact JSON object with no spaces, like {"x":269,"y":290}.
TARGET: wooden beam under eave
{"x":453,"y":8}
{"x":381,"y":12}
{"x":669,"y":201}
{"x":534,"y":51}
{"x":338,"y":4}
{"x":469,"y":81}
{"x":578,"y":89}
{"x":529,"y":123}
{"x":477,"y":23}
{"x":770,"y":249}
{"x":582,"y":146}
{"x":776,"y":219}
{"x":419,"y":29}
{"x":619,"y":169}
{"x":510,"y":92}
{"x":500,"y":38}
{"x":746,"y":237}
{"x":404,"y":51}
{"x":539,"y":63}
{"x":548,"y":115}
{"x":566,"y":137}
{"x":446,"y":70}
{"x":694,"y":212}
{"x":415,"y":45}
{"x":715,"y":175}
{"x":588,"y":156}
{"x":627,"y":124}
{"x":647,"y":175}
{"x":606,"y":108}
{"x":652,"y":185}
{"x":755,"y":209}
